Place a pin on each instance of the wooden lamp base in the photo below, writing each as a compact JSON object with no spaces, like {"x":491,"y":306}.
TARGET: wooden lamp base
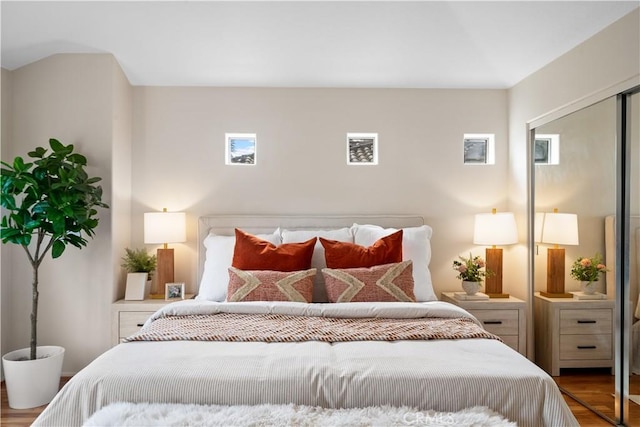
{"x":493,"y":282}
{"x":555,"y":274}
{"x":164,"y":272}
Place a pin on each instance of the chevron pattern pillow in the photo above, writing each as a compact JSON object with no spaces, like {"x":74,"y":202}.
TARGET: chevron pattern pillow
{"x":388,"y":282}
{"x":263,"y":285}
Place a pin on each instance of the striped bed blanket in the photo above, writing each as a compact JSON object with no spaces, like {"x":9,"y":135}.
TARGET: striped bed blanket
{"x":241,"y":327}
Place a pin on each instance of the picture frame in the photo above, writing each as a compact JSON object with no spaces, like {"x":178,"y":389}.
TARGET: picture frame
{"x":362,"y":148}
{"x":174,"y":291}
{"x":241,"y":149}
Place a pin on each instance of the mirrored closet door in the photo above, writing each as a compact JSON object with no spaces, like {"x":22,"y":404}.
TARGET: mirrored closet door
{"x":580,"y":176}
{"x":575,"y":180}
{"x":633,"y":332}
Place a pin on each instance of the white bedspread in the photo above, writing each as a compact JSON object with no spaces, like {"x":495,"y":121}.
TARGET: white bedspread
{"x":441,"y":375}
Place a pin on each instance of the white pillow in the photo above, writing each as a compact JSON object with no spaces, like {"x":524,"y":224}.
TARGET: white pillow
{"x":416,"y":246}
{"x":219,"y":255}
{"x":318,"y":261}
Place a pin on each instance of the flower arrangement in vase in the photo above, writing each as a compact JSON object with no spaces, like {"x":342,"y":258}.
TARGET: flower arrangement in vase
{"x":587,"y":271}
{"x":470,"y":271}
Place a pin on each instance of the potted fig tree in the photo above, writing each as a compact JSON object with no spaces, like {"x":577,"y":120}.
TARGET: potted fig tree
{"x":49,"y":203}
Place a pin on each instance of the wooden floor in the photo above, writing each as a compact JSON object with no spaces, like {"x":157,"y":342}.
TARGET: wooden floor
{"x":594,"y":387}
{"x":20,"y":417}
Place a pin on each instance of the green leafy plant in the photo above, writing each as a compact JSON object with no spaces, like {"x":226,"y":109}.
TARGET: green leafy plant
{"x":138,"y":261}
{"x":49,"y":203}
{"x":588,"y":269}
{"x":470,"y":269}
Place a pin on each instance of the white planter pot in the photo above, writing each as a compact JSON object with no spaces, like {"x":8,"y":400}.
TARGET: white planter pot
{"x":137,"y":286}
{"x":471,"y":288}
{"x":32,"y":383}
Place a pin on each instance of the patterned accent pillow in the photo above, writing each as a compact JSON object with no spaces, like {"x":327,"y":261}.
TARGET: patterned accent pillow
{"x":253,"y":253}
{"x":389,"y":282}
{"x":386,"y":250}
{"x":270,"y":285}
{"x":416,"y":246}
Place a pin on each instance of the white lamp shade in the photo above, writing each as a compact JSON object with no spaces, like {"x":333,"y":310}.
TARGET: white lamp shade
{"x":560,"y":229}
{"x":165,"y":227}
{"x":495,"y":229}
{"x":537,"y":227}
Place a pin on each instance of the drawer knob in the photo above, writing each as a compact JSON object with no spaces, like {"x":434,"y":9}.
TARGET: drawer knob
{"x":493,"y":322}
{"x":139,"y":325}
{"x":587,"y":347}
{"x":587,"y":321}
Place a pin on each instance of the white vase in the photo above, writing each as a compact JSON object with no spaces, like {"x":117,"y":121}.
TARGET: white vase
{"x":32,"y":383}
{"x":138,"y":287}
{"x":589,"y":288}
{"x":471,"y":288}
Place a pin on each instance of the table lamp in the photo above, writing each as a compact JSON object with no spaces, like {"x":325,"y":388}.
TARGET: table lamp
{"x":558,"y":229}
{"x":495,"y":229}
{"x":164,"y":227}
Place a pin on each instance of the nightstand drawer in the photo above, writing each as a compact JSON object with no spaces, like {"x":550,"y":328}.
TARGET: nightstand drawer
{"x":500,"y":316}
{"x":499,"y":322}
{"x":131,"y":322}
{"x":585,"y":347}
{"x":578,"y":322}
{"x":128,"y":316}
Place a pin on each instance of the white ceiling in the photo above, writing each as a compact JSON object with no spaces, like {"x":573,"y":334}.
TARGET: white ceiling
{"x":395,"y":44}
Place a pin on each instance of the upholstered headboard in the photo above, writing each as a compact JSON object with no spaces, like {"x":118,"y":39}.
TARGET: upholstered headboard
{"x":225,"y":224}
{"x":634,"y":259}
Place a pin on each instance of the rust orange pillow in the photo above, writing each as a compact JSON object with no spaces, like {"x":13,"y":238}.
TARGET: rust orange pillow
{"x":253,"y":253}
{"x":389,"y":282}
{"x":386,"y":250}
{"x":270,"y":285}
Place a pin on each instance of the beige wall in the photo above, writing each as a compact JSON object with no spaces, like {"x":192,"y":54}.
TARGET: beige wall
{"x":5,"y":259}
{"x":178,"y":159}
{"x":71,"y":98}
{"x":122,"y":115}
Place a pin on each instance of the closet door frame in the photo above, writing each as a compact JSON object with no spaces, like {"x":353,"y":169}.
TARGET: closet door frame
{"x":623,"y":313}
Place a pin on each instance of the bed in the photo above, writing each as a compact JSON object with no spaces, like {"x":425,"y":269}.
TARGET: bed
{"x":427,"y":355}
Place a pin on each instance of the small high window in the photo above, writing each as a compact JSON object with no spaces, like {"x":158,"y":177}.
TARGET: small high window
{"x":547,"y":149}
{"x":479,"y":149}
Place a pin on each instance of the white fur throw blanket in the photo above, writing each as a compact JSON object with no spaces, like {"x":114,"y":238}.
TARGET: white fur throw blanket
{"x":156,"y":414}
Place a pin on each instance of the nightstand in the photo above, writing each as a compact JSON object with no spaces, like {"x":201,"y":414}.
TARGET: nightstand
{"x":504,"y":317}
{"x":572,"y":333}
{"x":127,"y":317}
